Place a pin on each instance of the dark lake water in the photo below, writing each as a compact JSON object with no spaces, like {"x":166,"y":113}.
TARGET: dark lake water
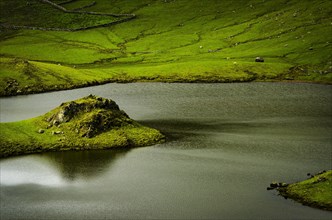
{"x":226,"y":143}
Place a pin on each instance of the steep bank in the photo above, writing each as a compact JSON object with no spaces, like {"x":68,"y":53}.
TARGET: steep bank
{"x":88,"y":123}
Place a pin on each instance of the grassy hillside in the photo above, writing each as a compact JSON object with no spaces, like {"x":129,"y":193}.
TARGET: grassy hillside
{"x":168,"y":40}
{"x":37,"y":14}
{"x":88,"y":123}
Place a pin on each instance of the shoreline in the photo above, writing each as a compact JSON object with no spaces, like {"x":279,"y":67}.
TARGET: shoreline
{"x":56,"y":88}
{"x":314,"y":192}
{"x":28,"y":149}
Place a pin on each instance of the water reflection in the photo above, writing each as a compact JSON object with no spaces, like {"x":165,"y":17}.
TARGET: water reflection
{"x":226,"y":143}
{"x":58,"y":168}
{"x":74,"y":165}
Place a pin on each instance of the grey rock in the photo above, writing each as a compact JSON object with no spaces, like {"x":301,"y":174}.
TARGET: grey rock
{"x":274,"y":184}
{"x":259,"y":60}
{"x":57,"y":132}
{"x":282,"y":184}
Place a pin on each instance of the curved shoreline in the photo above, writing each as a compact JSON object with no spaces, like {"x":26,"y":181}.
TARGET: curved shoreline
{"x":41,"y":89}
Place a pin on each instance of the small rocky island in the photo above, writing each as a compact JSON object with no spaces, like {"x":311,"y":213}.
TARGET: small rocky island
{"x":88,"y":123}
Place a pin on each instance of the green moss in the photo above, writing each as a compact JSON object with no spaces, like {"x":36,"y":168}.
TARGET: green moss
{"x":88,"y":123}
{"x":315,"y":192}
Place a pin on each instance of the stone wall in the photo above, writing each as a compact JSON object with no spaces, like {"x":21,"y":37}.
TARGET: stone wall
{"x":66,"y":2}
{"x":86,"y":6}
{"x":85,"y":12}
{"x":18,"y":27}
{"x":54,"y":5}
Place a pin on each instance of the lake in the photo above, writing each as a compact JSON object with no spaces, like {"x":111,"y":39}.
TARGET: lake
{"x":225,"y":144}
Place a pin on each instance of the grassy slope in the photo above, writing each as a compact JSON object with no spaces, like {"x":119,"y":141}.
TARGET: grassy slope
{"x":178,"y":40}
{"x":316,"y":191}
{"x":115,"y":129}
{"x":45,"y":16}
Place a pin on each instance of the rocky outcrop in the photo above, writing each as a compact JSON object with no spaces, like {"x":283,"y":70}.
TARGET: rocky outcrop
{"x":90,"y":116}
{"x":275,"y":185}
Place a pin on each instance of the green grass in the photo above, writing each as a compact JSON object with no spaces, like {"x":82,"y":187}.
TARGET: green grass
{"x":186,"y":41}
{"x":34,"y":13}
{"x":87,"y":123}
{"x":316,"y":191}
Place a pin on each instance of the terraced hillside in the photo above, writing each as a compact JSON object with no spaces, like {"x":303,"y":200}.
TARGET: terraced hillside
{"x":167,"y":40}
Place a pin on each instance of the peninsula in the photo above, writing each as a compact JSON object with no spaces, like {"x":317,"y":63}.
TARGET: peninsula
{"x":315,"y":191}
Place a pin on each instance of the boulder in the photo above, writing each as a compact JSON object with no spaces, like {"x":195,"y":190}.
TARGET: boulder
{"x":274,"y":184}
{"x":259,"y":60}
{"x":57,"y":132}
{"x":282,"y":184}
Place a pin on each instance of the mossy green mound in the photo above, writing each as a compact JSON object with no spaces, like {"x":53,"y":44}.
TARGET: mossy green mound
{"x":315,"y":192}
{"x":88,"y":123}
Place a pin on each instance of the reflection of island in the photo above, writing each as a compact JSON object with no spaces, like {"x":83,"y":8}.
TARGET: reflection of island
{"x":84,"y":164}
